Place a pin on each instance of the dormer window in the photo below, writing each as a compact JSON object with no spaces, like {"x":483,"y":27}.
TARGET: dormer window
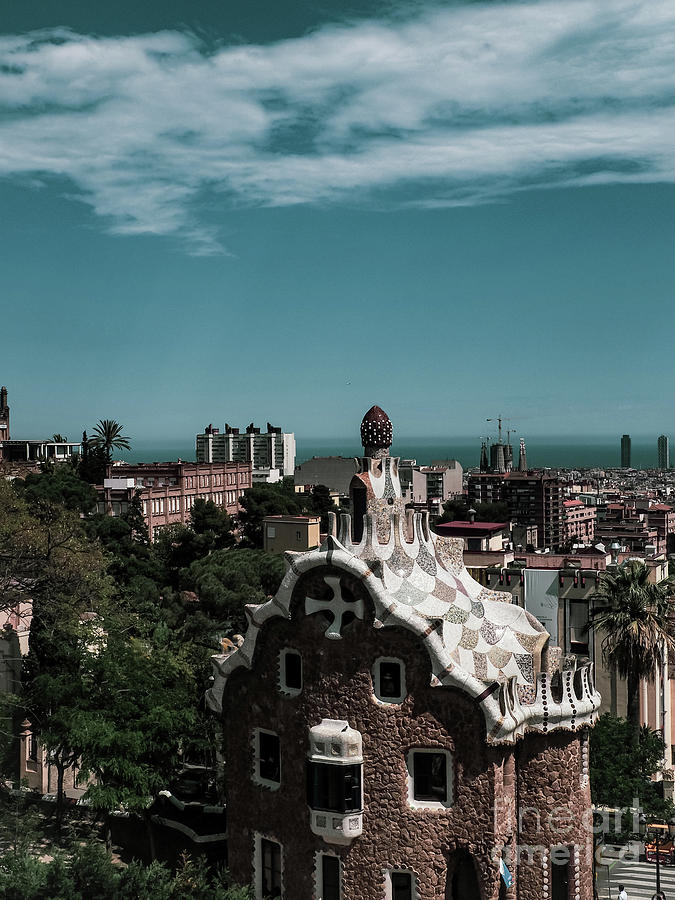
{"x":389,"y":680}
{"x":290,"y":672}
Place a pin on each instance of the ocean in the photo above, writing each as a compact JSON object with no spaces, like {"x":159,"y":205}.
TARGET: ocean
{"x":554,"y":452}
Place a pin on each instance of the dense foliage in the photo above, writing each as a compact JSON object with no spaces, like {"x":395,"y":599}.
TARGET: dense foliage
{"x":621,"y":771}
{"x":88,"y":873}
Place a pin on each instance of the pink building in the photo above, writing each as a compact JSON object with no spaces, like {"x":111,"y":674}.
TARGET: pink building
{"x":168,"y":490}
{"x":579,"y":521}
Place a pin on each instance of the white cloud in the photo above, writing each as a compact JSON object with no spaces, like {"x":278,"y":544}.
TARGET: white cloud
{"x":459,"y":104}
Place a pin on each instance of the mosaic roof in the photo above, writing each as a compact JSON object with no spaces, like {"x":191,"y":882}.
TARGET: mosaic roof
{"x":477,"y":639}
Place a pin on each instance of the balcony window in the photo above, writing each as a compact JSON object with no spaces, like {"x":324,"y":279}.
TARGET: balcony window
{"x":333,"y":788}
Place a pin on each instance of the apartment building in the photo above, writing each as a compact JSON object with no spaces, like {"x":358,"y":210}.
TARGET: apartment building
{"x":272,"y":449}
{"x":169,"y":490}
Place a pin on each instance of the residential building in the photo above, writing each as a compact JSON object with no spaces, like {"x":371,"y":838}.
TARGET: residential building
{"x":625,"y":451}
{"x":272,"y":449}
{"x":663,"y":452}
{"x":431,"y":485}
{"x":389,"y":718}
{"x":629,"y":528}
{"x":533,"y":498}
{"x":168,"y":490}
{"x":296,"y":533}
{"x":579,"y":522}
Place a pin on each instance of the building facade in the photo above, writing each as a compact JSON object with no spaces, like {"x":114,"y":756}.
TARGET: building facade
{"x":168,"y":491}
{"x":296,"y":533}
{"x":389,"y":719}
{"x":579,"y":522}
{"x":272,"y":450}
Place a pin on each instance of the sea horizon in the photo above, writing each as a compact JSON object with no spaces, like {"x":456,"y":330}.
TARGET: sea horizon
{"x":588,"y":451}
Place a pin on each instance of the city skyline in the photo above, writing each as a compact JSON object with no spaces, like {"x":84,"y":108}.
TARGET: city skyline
{"x":309,"y":212}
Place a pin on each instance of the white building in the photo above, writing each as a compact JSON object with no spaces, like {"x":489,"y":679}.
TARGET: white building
{"x":272,"y":450}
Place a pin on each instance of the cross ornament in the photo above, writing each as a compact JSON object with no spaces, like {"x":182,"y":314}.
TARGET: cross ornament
{"x":337,"y":605}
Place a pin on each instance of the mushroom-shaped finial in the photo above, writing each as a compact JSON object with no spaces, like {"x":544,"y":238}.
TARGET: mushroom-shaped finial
{"x":376,"y":432}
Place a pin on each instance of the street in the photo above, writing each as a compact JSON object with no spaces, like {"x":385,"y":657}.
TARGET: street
{"x":639,"y":879}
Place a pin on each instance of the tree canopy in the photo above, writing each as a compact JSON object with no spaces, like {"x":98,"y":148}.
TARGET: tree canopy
{"x":633,"y":615}
{"x":108,"y":436}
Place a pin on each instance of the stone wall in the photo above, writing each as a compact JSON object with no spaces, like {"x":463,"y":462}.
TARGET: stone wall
{"x":337,"y":684}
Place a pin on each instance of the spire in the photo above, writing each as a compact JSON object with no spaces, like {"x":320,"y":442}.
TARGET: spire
{"x":376,"y":433}
{"x":484,"y":465}
{"x":500,"y":464}
{"x":522,"y":461}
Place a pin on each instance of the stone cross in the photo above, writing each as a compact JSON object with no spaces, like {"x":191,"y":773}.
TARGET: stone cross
{"x":337,"y":605}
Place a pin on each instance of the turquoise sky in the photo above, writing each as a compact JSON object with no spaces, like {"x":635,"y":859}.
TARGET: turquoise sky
{"x":287,"y":211}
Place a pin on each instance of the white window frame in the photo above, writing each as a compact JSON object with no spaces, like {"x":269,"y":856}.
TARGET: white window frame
{"x":283,"y":687}
{"x":430,"y":804}
{"x":318,"y":872}
{"x":389,"y":701}
{"x":258,"y":862}
{"x":257,"y":777}
{"x":388,"y":887}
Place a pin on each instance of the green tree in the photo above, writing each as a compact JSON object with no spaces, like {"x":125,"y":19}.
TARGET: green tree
{"x":59,"y":484}
{"x":227,"y":580}
{"x":92,"y":462}
{"x":633,"y":615}
{"x":320,"y":503}
{"x":108,"y":435}
{"x":265,"y":500}
{"x":59,"y":439}
{"x":621,"y":770}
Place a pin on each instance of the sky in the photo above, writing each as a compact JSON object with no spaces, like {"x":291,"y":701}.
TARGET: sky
{"x":287,"y":211}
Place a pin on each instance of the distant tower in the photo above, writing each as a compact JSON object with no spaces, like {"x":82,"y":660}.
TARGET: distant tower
{"x":663,"y":445}
{"x":522,"y":460}
{"x":484,"y":464}
{"x":499,"y":464}
{"x":625,"y":451}
{"x":508,"y":457}
{"x":4,"y":415}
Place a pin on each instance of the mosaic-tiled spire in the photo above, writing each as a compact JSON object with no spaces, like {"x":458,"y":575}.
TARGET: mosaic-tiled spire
{"x":376,"y":433}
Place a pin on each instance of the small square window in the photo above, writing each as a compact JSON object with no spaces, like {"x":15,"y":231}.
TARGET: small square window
{"x":267,"y":751}
{"x":429,"y":779}
{"x":389,"y":680}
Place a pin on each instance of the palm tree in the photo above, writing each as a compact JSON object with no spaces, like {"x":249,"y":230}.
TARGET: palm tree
{"x":108,"y":435}
{"x":634,"y":617}
{"x":59,"y":439}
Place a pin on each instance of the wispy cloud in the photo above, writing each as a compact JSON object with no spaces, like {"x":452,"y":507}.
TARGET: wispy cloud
{"x":457,"y":105}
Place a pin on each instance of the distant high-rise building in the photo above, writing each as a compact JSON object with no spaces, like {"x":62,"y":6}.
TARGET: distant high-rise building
{"x":625,"y":451}
{"x":4,"y":415}
{"x":272,"y":450}
{"x":663,"y":445}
